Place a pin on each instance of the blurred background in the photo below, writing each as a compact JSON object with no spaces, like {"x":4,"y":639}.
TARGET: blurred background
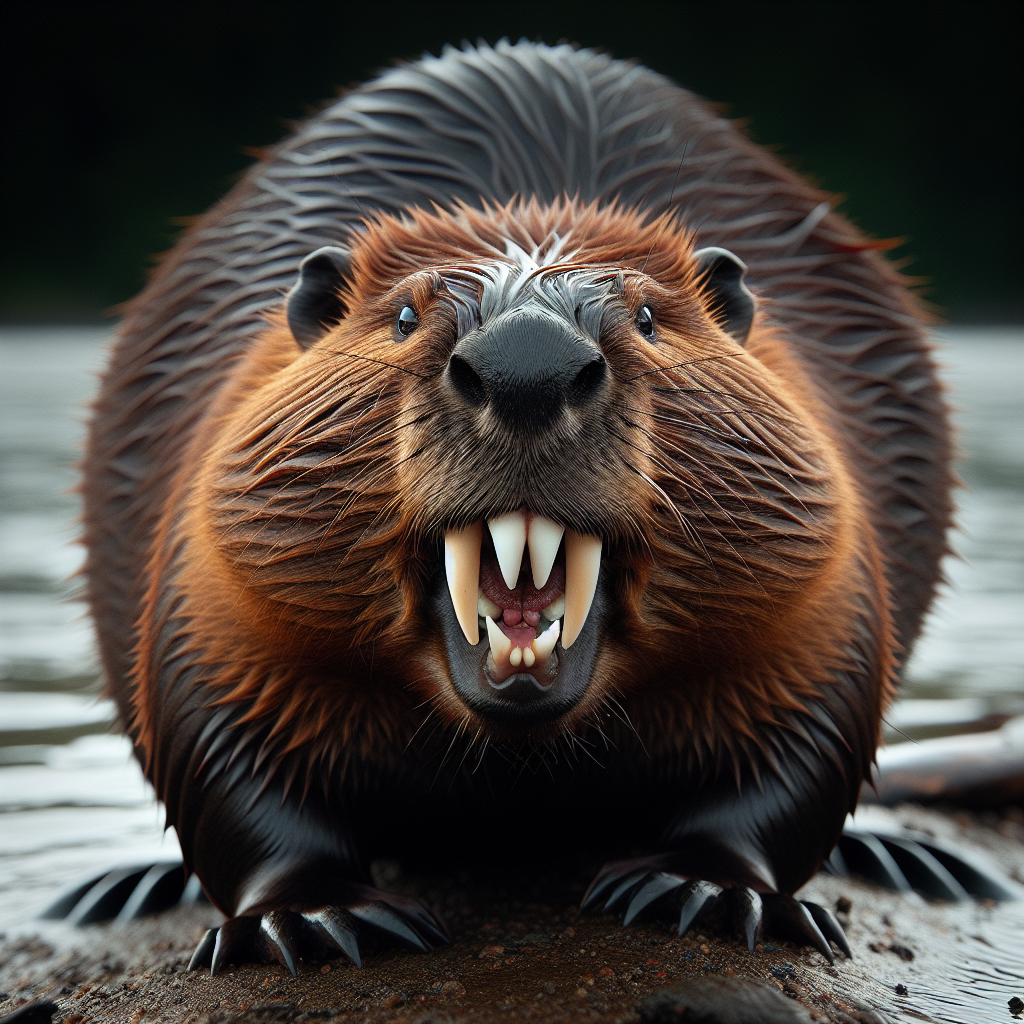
{"x":123,"y":120}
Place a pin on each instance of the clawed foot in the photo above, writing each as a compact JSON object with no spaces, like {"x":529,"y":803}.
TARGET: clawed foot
{"x":282,"y":936}
{"x":638,"y":886}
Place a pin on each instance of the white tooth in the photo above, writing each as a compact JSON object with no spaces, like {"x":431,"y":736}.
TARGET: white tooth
{"x":555,"y":610}
{"x":462,"y":567}
{"x":516,"y":657}
{"x":545,"y":643}
{"x":545,"y":536}
{"x":528,"y":657}
{"x":582,"y":566}
{"x":500,"y":644}
{"x":509,"y":536}
{"x":485,"y":606}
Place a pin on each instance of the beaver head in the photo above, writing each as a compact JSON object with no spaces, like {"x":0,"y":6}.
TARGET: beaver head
{"x":524,"y":459}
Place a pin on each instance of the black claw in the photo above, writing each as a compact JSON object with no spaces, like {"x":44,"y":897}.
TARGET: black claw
{"x":379,"y":915}
{"x":981,"y":881}
{"x":651,"y":891}
{"x":203,"y":955}
{"x":598,"y":887}
{"x":64,"y":904}
{"x":836,"y":864}
{"x":106,"y":898}
{"x":430,"y":927}
{"x":923,"y":871}
{"x":277,"y":932}
{"x":866,"y":856}
{"x":235,"y":944}
{"x":193,"y":892}
{"x":792,"y":920}
{"x":830,"y":928}
{"x":333,"y":926}
{"x":695,"y":896}
{"x":623,"y":887}
{"x":158,"y":889}
{"x":747,"y":913}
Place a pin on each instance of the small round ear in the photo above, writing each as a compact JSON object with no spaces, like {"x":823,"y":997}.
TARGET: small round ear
{"x":314,"y":305}
{"x":731,"y":300}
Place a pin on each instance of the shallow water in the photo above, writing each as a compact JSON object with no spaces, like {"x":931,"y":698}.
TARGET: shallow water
{"x":71,"y":798}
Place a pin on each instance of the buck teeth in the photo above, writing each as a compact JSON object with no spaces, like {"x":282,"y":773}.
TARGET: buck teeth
{"x":501,"y":646}
{"x":544,"y":537}
{"x":545,"y":643}
{"x":462,"y":567}
{"x":582,"y":567}
{"x":510,"y":534}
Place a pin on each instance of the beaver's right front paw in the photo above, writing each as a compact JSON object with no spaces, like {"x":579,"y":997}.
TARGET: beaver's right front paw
{"x":283,"y":936}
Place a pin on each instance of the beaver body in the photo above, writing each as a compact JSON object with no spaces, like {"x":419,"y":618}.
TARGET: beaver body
{"x":522,"y":524}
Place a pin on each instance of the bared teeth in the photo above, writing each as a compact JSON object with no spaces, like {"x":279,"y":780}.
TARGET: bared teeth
{"x":582,"y":567}
{"x":545,"y":643}
{"x":462,"y":567}
{"x":501,"y":646}
{"x":544,"y":536}
{"x":509,"y":536}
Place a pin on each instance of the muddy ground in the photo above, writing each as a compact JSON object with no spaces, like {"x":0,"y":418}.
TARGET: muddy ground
{"x":523,"y":951}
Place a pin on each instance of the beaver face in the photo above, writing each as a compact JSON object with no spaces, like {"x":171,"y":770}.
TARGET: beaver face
{"x":531,"y":385}
{"x":529,"y":467}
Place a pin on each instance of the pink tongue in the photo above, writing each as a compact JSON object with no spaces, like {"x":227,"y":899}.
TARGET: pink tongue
{"x":520,"y":608}
{"x":521,"y":636}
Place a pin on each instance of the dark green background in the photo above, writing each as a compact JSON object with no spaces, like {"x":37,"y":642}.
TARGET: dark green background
{"x":120,"y":117}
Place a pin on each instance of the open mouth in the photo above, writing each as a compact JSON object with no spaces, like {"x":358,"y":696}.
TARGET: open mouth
{"x":526,"y":582}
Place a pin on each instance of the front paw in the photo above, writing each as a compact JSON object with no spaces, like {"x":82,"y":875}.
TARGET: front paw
{"x":642,"y":886}
{"x":286,"y":934}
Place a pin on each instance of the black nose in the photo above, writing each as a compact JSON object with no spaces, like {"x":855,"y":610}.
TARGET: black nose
{"x":528,"y":366}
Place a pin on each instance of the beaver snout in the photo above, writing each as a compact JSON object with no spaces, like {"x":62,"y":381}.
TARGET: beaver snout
{"x":527,"y":366}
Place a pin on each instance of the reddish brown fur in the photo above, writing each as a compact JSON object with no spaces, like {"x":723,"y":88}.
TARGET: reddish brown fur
{"x":293,"y":623}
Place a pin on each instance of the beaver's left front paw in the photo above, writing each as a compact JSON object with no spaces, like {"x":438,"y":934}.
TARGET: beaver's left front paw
{"x":641,"y":886}
{"x":282,"y":936}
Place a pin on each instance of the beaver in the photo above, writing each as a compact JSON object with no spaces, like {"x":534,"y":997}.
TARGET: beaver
{"x":518,"y":460}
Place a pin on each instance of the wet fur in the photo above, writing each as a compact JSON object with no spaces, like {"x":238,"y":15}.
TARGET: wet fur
{"x":264,"y":523}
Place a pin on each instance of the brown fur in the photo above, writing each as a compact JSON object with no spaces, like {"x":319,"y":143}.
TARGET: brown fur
{"x":264,"y":522}
{"x":311,"y":503}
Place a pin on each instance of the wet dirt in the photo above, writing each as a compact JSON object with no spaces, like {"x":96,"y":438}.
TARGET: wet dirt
{"x":523,"y":951}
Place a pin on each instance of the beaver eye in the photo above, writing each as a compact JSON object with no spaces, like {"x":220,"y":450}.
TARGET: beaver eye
{"x":645,"y":322}
{"x":407,"y":321}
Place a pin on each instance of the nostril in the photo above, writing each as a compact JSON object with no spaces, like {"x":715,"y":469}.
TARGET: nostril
{"x":466,"y":381}
{"x":588,"y":382}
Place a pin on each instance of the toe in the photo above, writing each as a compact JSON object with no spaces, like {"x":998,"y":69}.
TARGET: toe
{"x":787,"y":918}
{"x":278,"y":932}
{"x":203,"y":955}
{"x":236,"y":944}
{"x":653,"y":889}
{"x":335,"y":929}
{"x":829,"y":927}
{"x":697,"y":896}
{"x":378,"y":915}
